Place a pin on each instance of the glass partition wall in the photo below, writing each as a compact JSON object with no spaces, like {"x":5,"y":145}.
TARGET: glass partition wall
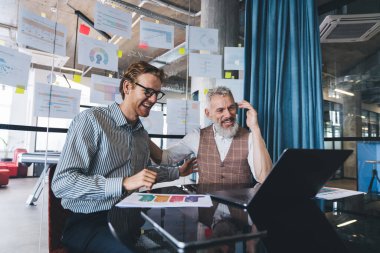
{"x":351,"y":71}
{"x":351,"y":84}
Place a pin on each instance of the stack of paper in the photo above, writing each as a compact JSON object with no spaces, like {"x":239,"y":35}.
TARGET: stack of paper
{"x":330,"y":193}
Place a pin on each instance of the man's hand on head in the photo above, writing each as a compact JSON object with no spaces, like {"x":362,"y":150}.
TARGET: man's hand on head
{"x":145,"y":178}
{"x":252,"y":121}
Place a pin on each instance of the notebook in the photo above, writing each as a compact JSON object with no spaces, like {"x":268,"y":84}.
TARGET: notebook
{"x":298,"y":174}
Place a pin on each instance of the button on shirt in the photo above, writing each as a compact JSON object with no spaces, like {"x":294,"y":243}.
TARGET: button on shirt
{"x":190,"y":144}
{"x":101,"y":149}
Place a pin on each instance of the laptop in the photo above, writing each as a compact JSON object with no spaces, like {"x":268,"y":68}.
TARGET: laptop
{"x":298,"y":174}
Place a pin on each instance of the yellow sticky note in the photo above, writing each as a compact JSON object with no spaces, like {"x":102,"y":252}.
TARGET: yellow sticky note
{"x":157,"y":21}
{"x":77,"y":78}
{"x":181,"y":50}
{"x":227,"y":75}
{"x":2,"y":43}
{"x":205,"y":91}
{"x":20,"y":90}
{"x":119,"y":53}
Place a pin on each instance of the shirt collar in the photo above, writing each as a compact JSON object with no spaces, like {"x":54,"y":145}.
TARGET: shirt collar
{"x":120,"y":119}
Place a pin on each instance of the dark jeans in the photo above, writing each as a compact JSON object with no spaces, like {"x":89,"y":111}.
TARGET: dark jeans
{"x":90,"y":233}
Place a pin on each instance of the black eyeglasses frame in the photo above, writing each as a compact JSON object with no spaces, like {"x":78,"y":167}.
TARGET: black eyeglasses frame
{"x":149,"y":91}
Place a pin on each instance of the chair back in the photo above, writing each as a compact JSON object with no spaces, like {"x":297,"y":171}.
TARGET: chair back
{"x":16,"y":153}
{"x":56,"y":219}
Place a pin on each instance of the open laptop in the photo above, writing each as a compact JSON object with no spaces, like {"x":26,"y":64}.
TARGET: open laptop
{"x":298,"y":174}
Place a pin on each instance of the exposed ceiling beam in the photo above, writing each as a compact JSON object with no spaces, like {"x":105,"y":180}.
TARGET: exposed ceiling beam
{"x":150,"y":14}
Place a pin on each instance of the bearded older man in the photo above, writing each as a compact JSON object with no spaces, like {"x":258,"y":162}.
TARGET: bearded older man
{"x":226,"y":153}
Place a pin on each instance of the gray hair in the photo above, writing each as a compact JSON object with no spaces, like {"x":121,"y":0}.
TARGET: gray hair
{"x":221,"y":91}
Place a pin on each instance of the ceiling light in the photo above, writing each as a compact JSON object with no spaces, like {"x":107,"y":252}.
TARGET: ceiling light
{"x":344,"y":92}
{"x":346,"y":223}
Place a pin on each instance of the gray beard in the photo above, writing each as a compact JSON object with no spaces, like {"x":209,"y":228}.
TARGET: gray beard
{"x":227,"y":133}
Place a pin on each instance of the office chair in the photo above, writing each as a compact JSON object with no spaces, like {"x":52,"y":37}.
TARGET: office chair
{"x":56,"y":219}
{"x":15,"y":168}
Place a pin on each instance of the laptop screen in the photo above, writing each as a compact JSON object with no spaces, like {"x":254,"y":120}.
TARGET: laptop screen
{"x":298,"y":174}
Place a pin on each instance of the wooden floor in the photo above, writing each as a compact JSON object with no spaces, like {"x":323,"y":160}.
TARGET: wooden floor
{"x":23,"y":228}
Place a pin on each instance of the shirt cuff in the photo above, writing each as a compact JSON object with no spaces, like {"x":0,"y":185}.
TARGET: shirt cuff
{"x":166,"y":174}
{"x":114,"y":187}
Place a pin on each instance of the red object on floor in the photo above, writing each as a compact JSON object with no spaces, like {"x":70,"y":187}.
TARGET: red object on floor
{"x":4,"y":177}
{"x":15,"y":168}
{"x":83,"y":29}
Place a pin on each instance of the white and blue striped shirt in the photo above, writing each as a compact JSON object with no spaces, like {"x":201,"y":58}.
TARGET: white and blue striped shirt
{"x":101,"y":149}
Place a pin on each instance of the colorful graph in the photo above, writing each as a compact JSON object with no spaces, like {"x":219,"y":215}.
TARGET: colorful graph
{"x":99,"y":55}
{"x":169,"y":198}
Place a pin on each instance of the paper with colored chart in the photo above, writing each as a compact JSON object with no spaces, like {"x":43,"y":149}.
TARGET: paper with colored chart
{"x":156,"y":35}
{"x":105,"y":90}
{"x":14,"y":67}
{"x":41,"y":33}
{"x":152,"y":200}
{"x":97,"y":53}
{"x":55,"y":102}
{"x":113,"y":20}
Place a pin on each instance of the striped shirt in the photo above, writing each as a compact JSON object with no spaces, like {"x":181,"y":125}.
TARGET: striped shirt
{"x":101,"y":149}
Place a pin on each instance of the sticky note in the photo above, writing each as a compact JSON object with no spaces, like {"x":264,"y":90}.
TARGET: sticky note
{"x":157,"y":21}
{"x":119,"y":53}
{"x":227,"y":75}
{"x":205,"y":91}
{"x":83,"y":29}
{"x":77,"y":78}
{"x":2,"y":43}
{"x":20,"y":90}
{"x":43,"y":14}
{"x":181,"y":50}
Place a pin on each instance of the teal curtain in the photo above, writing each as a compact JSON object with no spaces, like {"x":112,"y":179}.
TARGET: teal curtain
{"x":283,"y":72}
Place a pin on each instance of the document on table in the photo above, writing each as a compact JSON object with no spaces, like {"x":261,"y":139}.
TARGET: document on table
{"x":152,"y":200}
{"x":330,"y":193}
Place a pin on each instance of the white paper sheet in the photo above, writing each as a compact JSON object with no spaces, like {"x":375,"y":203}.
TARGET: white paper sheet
{"x":154,"y":123}
{"x":205,"y":65}
{"x":104,"y":90}
{"x":330,"y":193}
{"x":235,"y":85}
{"x":182,"y":116}
{"x":14,"y":67}
{"x":113,"y":20}
{"x":96,"y":53}
{"x":202,"y":38}
{"x":41,"y":33}
{"x":156,"y":35}
{"x":165,"y":200}
{"x":62,"y":102}
{"x":234,"y":58}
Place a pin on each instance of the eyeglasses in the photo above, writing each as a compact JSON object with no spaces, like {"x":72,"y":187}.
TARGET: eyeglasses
{"x":150,"y":92}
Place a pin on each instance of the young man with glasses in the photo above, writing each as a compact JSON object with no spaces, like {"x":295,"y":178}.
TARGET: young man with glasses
{"x":106,"y":154}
